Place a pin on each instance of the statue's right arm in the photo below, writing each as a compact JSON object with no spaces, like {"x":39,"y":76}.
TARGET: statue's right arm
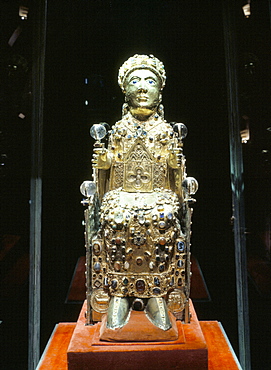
{"x":101,"y":157}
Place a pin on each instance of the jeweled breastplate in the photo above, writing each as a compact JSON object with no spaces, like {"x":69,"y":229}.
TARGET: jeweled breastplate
{"x":140,"y":153}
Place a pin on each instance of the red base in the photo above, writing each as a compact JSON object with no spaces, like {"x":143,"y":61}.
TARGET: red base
{"x":189,"y":351}
{"x":72,"y":341}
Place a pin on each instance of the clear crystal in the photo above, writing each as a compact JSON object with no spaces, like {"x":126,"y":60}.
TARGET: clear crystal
{"x":88,"y":188}
{"x":191,"y":185}
{"x":181,"y":129}
{"x":98,"y":131}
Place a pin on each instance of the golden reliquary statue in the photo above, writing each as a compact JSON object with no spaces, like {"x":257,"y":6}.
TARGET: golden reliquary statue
{"x":138,"y":211}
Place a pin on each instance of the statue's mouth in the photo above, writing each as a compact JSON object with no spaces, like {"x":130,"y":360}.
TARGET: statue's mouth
{"x":142,"y":98}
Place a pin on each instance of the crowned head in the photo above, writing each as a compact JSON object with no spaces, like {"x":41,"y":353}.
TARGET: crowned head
{"x":142,"y":79}
{"x":141,"y":62}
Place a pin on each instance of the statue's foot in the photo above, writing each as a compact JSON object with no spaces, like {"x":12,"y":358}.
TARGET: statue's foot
{"x":118,"y":312}
{"x":157,"y":312}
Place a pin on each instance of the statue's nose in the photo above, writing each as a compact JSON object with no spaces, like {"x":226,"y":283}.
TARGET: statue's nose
{"x":142,"y":86}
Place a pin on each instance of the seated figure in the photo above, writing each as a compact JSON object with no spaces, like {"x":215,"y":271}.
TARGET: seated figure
{"x":138,"y":212}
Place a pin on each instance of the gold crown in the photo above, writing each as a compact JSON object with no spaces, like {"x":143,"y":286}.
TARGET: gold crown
{"x":142,"y":62}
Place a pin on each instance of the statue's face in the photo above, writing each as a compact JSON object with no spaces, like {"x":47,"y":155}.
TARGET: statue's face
{"x":142,"y":89}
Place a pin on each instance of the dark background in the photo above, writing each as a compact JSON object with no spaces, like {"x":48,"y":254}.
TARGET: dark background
{"x":91,"y":39}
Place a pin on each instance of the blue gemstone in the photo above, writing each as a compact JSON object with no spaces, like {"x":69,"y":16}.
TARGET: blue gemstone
{"x":180,"y":246}
{"x":169,"y":216}
{"x":162,"y":215}
{"x":180,"y":263}
{"x":156,"y":291}
{"x":114,"y":284}
{"x":97,"y":267}
{"x":156,"y":281}
{"x":162,"y":268}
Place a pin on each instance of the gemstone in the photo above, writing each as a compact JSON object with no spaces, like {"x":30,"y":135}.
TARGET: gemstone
{"x":156,"y":281}
{"x":88,"y":188}
{"x":118,"y":218}
{"x":162,"y":268}
{"x":97,"y":267}
{"x":98,"y":131}
{"x":180,"y":282}
{"x":162,"y":215}
{"x":151,"y":265}
{"x":126,"y":265}
{"x":141,"y":219}
{"x":156,"y":291}
{"x":118,"y":241}
{"x":180,"y":129}
{"x":96,"y":249}
{"x":140,"y":286}
{"x":117,"y":266}
{"x":125,"y":290}
{"x":114,"y":284}
{"x":180,"y":263}
{"x":177,"y":273}
{"x":97,"y":284}
{"x":169,"y":216}
{"x":106,"y":282}
{"x":139,"y":261}
{"x":125,"y":281}
{"x":162,"y":241}
{"x":162,"y":224}
{"x":180,"y":246}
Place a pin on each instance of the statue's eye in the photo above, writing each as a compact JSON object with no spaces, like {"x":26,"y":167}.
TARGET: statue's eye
{"x":151,"y":82}
{"x":134,"y":82}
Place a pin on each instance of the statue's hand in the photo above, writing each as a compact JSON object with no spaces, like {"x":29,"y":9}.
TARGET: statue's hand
{"x":101,"y":157}
{"x":176,"y":158}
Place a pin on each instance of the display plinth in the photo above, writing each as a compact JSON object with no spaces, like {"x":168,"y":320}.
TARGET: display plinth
{"x":86,"y":350}
{"x":220,"y":353}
